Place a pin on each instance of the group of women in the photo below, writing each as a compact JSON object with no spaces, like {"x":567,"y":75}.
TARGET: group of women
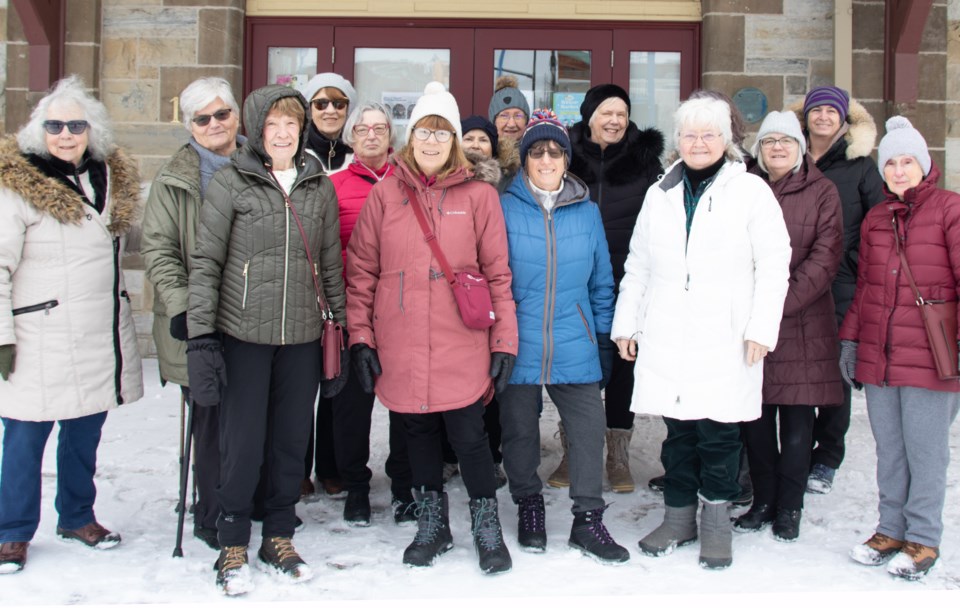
{"x":724,"y":311}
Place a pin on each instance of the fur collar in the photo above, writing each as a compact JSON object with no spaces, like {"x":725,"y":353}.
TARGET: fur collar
{"x":862,"y":134}
{"x":508,"y":154}
{"x":626,"y":159}
{"x":49,"y":196}
{"x":484,"y":169}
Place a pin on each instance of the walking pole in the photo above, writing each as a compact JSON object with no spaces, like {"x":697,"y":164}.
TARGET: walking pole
{"x":184,"y":474}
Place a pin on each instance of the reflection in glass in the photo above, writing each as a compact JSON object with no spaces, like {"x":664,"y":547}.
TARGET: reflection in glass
{"x":548,"y":79}
{"x":654,"y":89}
{"x":396,"y":78}
{"x":291,"y":66}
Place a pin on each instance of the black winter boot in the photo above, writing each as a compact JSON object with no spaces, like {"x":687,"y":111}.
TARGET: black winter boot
{"x":433,"y":537}
{"x":356,"y":509}
{"x":488,"y":536}
{"x":404,"y":508}
{"x":592,"y":538}
{"x":786,"y":527}
{"x":756,"y":518}
{"x":531,"y":523}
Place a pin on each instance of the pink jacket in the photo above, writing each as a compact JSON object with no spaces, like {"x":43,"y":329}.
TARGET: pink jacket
{"x":397,"y":303}
{"x":352,"y":185}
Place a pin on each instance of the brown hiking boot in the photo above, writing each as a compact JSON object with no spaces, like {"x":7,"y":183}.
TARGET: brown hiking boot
{"x":13,"y":556}
{"x":278,"y":553}
{"x":307,"y":488}
{"x":914,"y":561}
{"x":92,"y":535}
{"x":876,"y":551}
{"x":618,"y":460}
{"x":560,"y":478}
{"x":233,"y":573}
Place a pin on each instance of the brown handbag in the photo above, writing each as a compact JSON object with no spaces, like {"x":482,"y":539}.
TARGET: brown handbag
{"x":331,"y":334}
{"x":939,"y":319}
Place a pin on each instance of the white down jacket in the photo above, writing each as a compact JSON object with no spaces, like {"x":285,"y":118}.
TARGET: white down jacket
{"x":691,"y":305}
{"x":63,"y":302}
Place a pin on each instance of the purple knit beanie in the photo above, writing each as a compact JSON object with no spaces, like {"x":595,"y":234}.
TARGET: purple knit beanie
{"x":827,"y":96}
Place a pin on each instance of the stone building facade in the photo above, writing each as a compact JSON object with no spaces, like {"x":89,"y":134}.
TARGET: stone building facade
{"x":138,"y":54}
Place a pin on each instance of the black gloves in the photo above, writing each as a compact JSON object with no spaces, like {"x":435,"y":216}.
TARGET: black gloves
{"x":366,"y":364}
{"x":608,"y":350}
{"x":331,"y":388}
{"x":501,"y":368}
{"x":178,"y":326}
{"x":848,"y":362}
{"x":205,"y":369}
{"x":8,"y":360}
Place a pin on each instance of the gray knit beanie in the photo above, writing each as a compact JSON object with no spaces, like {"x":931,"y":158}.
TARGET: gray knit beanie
{"x":505,"y":96}
{"x":902,"y":138}
{"x":329,"y":79}
{"x":780,"y":122}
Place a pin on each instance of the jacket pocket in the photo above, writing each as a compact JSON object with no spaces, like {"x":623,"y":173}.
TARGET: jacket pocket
{"x":586,"y":325}
{"x":246,"y":284}
{"x":401,"y":292}
{"x":44,"y":306}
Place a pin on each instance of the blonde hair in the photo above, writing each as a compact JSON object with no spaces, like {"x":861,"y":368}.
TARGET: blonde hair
{"x":290,"y":106}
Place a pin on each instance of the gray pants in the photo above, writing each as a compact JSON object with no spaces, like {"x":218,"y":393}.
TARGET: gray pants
{"x":584,"y":421}
{"x":911,"y":427}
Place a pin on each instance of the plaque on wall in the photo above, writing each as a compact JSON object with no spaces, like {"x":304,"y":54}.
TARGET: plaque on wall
{"x":752,"y":103}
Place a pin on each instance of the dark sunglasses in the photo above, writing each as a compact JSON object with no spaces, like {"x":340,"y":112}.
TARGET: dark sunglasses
{"x":540,"y":152}
{"x":321,"y":104}
{"x":202,"y":120}
{"x":55,"y":127}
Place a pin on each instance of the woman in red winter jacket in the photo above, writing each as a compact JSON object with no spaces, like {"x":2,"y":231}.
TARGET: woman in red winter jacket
{"x":884,"y":346}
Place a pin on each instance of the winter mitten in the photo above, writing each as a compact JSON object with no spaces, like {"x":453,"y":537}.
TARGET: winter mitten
{"x":331,"y":388}
{"x":366,"y":364}
{"x":205,"y":369}
{"x":608,"y":350}
{"x":501,"y":368}
{"x":8,"y":360}
{"x":848,"y":362}
{"x":178,"y":327}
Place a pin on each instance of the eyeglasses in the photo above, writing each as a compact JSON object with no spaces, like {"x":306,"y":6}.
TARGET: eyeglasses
{"x":202,"y":120}
{"x":539,"y":152}
{"x":55,"y":127}
{"x":379,"y":129}
{"x":321,"y":104}
{"x":514,"y":116}
{"x":691,"y":138}
{"x":441,"y":135}
{"x":785,"y":142}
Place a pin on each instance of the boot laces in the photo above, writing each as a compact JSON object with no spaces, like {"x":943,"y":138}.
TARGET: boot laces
{"x":428,"y":520}
{"x":234,"y":557}
{"x":531,"y":515}
{"x":284,"y":548}
{"x":595,"y":519}
{"x":486,"y":525}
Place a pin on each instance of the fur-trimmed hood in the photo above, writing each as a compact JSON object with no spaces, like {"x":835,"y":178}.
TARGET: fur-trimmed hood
{"x":638,"y":148}
{"x":484,"y":169}
{"x":508,"y":155}
{"x":49,"y":196}
{"x":860,"y":137}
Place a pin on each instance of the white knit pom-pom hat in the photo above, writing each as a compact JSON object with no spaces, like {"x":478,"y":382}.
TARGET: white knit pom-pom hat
{"x":436,"y":101}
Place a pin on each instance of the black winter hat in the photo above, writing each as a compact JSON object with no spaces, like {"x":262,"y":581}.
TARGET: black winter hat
{"x":598,"y":95}
{"x":479,"y":122}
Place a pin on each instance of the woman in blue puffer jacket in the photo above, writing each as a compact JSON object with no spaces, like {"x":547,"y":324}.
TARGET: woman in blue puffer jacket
{"x":563,"y":287}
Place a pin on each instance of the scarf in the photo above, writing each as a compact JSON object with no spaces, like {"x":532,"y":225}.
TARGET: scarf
{"x":69,"y":175}
{"x":210,"y":162}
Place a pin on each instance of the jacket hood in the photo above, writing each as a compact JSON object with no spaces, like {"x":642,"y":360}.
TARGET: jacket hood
{"x":919,"y":193}
{"x":255,"y":109}
{"x":484,"y":169}
{"x":49,"y":196}
{"x":638,"y":148}
{"x":859,"y":138}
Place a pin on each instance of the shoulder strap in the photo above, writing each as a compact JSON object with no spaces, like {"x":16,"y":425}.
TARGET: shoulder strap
{"x":428,"y":235}
{"x":901,"y":250}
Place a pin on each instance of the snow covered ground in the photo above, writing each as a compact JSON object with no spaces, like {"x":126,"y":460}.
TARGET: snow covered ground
{"x":137,"y":481}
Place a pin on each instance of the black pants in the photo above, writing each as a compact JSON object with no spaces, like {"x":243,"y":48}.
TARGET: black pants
{"x":778,"y":469}
{"x":206,"y":462}
{"x":700,"y":457}
{"x":829,"y":432}
{"x":491,"y":424}
{"x":618,"y":394}
{"x":265,"y":418}
{"x":321,"y":447}
{"x":469,"y":440}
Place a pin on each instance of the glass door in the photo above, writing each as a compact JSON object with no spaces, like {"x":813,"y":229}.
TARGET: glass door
{"x":286,"y":51}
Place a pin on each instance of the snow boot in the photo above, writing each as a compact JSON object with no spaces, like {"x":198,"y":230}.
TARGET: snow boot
{"x":13,"y":557}
{"x":233,"y":572}
{"x":531,"y":523}
{"x":499,"y":476}
{"x":560,"y":478}
{"x":356,"y":509}
{"x":914,"y":561}
{"x":716,"y":536}
{"x":618,"y":460}
{"x":786,"y":527}
{"x":92,"y":535}
{"x":488,"y":536}
{"x":433,"y":537}
{"x":277,"y":552}
{"x":756,"y":518}
{"x":590,"y":536}
{"x":877,"y":550}
{"x":404,"y":508}
{"x":679,"y":528}
{"x":821,"y":479}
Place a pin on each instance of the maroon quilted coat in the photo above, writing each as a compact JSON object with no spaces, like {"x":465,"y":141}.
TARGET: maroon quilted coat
{"x":803,"y":369}
{"x":884,"y":317}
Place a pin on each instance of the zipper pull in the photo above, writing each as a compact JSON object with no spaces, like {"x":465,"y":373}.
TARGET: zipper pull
{"x":246,"y":266}
{"x":710,"y":205}
{"x":687,"y":286}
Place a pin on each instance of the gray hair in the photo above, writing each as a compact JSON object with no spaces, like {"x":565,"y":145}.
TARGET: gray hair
{"x":708,"y":112}
{"x":357,"y":115}
{"x":758,"y":154}
{"x":68,"y":92}
{"x":201,"y":92}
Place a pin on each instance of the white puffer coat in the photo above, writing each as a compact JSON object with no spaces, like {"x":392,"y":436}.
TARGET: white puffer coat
{"x":63,"y":302}
{"x":692,"y":305}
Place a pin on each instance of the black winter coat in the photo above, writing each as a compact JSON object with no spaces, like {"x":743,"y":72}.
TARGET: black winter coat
{"x":618,"y":178}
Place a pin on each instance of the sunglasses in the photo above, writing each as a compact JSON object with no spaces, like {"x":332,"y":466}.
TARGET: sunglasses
{"x":55,"y":127}
{"x":441,"y":135}
{"x":321,"y":104}
{"x":539,"y":152}
{"x":202,"y":120}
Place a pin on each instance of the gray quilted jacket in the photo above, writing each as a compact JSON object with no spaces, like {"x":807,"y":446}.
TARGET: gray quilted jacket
{"x":249,"y":275}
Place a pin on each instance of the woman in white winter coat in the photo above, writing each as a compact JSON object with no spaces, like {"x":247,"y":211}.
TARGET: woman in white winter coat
{"x":699,"y":308}
{"x":68,"y":348}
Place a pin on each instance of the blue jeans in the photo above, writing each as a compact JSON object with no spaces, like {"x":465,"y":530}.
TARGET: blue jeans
{"x":23,"y":444}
